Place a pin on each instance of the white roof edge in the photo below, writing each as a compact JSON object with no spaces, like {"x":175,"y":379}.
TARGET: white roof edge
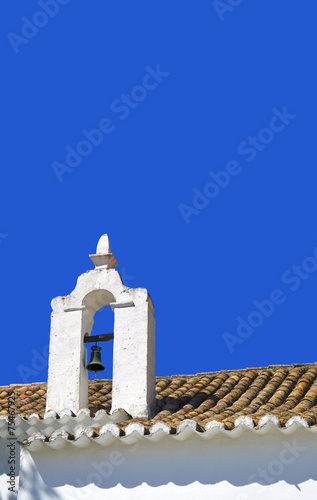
{"x":110,"y":433}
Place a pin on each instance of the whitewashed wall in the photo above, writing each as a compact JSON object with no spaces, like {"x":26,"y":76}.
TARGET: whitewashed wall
{"x":220,"y":468}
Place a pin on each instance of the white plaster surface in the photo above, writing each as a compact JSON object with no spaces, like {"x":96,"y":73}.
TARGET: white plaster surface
{"x":133,"y":386}
{"x":256,"y":466}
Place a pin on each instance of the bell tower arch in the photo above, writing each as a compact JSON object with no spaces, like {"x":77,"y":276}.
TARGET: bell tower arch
{"x":133,"y":386}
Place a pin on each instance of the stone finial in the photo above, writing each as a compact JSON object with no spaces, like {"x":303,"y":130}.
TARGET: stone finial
{"x":104,"y":258}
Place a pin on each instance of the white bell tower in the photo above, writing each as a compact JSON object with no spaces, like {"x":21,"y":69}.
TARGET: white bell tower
{"x":133,"y":385}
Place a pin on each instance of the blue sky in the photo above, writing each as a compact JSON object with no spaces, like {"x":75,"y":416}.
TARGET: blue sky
{"x":186,"y":131}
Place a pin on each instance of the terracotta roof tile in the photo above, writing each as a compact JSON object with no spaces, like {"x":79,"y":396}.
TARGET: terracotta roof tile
{"x":283,"y":391}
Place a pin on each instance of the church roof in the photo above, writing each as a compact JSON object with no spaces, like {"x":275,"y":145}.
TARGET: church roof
{"x":282,"y":394}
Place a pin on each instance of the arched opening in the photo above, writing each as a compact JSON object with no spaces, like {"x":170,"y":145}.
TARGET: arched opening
{"x":97,"y":302}
{"x":103,"y":323}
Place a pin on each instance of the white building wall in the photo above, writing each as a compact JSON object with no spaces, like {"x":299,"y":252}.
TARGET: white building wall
{"x":252,"y":466}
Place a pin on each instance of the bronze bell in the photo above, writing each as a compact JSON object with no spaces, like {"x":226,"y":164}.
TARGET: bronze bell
{"x":95,"y":364}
